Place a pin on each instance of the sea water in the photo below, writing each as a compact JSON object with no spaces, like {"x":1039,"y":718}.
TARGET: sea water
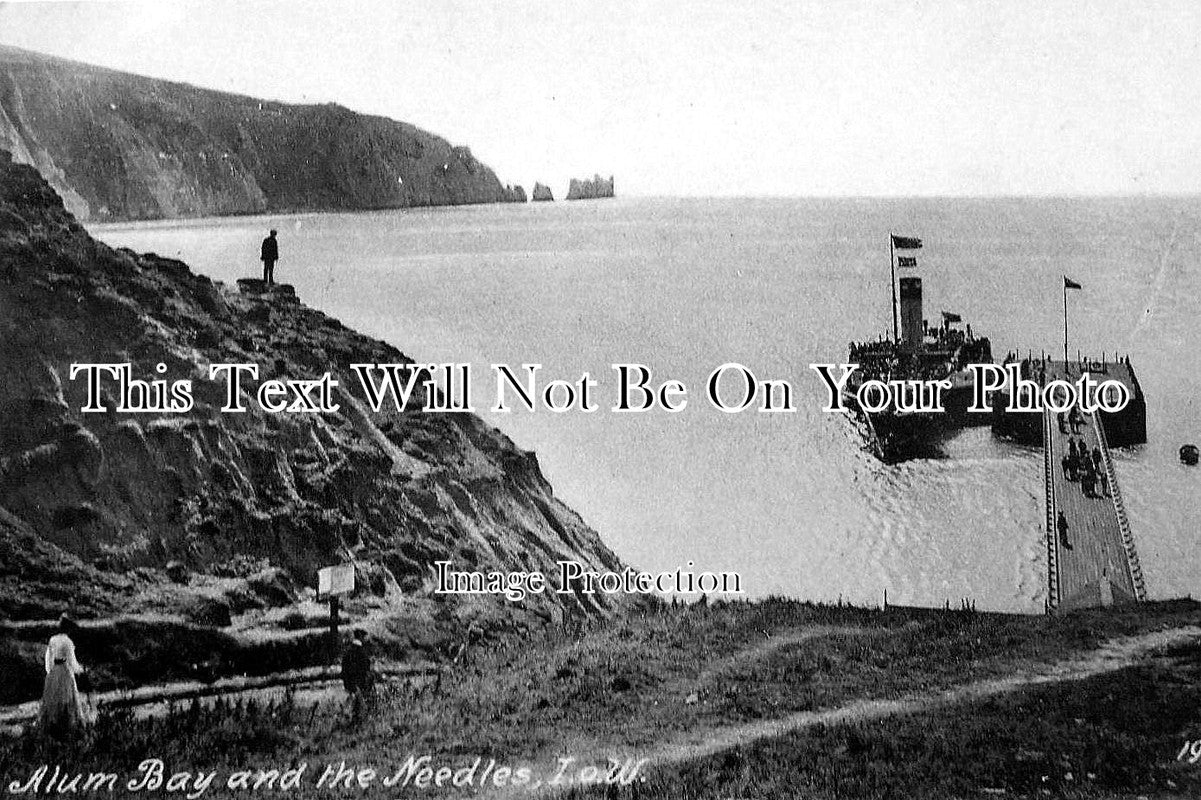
{"x":789,"y":500}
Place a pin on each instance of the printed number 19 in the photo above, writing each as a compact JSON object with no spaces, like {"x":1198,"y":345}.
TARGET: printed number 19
{"x":1191,"y":751}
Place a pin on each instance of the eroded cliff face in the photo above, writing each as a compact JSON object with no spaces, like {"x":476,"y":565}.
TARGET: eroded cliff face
{"x":93,"y":507}
{"x":120,"y":146}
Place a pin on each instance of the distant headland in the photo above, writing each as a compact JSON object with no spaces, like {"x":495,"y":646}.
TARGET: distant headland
{"x":118,"y":146}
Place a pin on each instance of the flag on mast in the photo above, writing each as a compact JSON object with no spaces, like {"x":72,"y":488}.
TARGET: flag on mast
{"x":906,"y":242}
{"x":1068,"y":283}
{"x":906,"y":261}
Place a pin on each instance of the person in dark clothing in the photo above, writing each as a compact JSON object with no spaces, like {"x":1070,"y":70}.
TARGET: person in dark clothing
{"x":1061,"y":524}
{"x":1077,"y":465}
{"x":1085,"y":461}
{"x":269,"y":255}
{"x":356,"y":666}
{"x":1097,"y":459}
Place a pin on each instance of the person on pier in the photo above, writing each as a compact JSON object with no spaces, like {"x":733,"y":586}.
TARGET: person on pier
{"x":1061,"y":525}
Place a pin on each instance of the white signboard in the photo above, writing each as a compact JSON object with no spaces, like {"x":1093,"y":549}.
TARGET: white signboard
{"x":335,"y":581}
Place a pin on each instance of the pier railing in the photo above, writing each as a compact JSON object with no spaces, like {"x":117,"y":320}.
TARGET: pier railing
{"x":1052,"y":534}
{"x":1119,"y":507}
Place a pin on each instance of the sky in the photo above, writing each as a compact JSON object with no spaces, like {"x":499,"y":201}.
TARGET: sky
{"x":841,"y":97}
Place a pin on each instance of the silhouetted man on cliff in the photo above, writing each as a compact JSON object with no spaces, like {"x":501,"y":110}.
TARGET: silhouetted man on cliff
{"x":270,"y":254}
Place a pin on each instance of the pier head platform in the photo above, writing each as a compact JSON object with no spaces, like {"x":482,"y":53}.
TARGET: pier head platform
{"x":1122,"y":428}
{"x":1091,"y":555}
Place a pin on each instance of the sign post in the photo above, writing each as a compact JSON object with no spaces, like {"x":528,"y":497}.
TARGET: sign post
{"x":334,"y":607}
{"x":332,"y":583}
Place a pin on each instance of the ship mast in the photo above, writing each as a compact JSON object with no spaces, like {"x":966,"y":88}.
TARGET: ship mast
{"x":892,"y":271}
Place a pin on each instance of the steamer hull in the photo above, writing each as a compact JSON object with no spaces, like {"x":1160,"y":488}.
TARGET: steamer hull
{"x":900,"y":436}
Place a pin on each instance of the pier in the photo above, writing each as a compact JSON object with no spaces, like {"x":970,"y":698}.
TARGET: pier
{"x":1099,"y":566}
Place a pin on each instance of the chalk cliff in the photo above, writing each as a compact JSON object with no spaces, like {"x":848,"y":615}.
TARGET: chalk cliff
{"x":121,"y":146}
{"x":94,"y":507}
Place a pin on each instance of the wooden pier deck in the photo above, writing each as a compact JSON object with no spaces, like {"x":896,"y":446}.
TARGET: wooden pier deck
{"x":1098,"y":565}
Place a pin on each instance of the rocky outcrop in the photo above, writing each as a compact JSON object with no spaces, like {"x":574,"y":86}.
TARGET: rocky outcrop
{"x":120,"y":146}
{"x":542,"y":193}
{"x":105,"y":511}
{"x":590,"y":189}
{"x":515,"y":194}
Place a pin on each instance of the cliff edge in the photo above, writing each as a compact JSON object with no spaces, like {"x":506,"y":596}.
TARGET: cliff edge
{"x":118,"y":512}
{"x":118,"y":146}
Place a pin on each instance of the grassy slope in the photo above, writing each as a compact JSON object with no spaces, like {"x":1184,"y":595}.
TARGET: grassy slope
{"x":665,"y":681}
{"x":1110,"y":735}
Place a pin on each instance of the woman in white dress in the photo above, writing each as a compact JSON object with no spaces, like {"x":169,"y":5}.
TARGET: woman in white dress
{"x":63,"y":710}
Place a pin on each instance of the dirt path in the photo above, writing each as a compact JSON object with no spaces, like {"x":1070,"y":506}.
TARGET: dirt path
{"x":309,"y":686}
{"x":1111,"y":656}
{"x":772,"y":643}
{"x":321,"y":684}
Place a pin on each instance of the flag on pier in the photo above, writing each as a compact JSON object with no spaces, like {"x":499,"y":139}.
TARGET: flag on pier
{"x":906,"y":242}
{"x":949,"y":317}
{"x":906,"y":261}
{"x":1068,"y":283}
